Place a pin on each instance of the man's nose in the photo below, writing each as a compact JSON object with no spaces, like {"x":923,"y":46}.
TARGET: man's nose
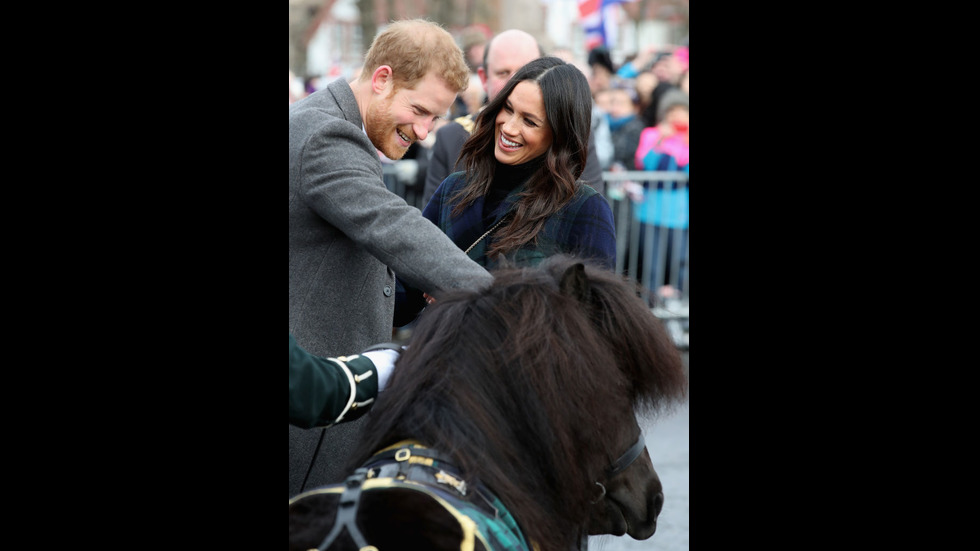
{"x":422,"y":130}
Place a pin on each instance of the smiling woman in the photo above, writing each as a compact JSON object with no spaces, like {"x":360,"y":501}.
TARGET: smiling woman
{"x":522,"y":129}
{"x":520,"y":196}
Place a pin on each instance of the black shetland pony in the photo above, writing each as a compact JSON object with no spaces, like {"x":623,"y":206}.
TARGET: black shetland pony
{"x":509,"y":423}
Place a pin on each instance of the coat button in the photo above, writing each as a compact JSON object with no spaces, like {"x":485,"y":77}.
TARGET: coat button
{"x":387,"y":290}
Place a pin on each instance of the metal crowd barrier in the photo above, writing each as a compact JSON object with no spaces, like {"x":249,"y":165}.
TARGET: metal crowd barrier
{"x":651,"y":213}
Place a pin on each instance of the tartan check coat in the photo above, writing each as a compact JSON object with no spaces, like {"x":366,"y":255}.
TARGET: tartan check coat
{"x":583,"y":227}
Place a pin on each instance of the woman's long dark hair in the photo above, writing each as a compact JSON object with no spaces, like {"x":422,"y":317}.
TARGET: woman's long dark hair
{"x":568,"y":108}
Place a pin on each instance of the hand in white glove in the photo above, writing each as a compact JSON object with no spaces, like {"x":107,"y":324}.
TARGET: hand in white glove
{"x":384,"y":364}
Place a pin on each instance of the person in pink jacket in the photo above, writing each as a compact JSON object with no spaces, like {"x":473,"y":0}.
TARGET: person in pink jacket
{"x":665,"y":147}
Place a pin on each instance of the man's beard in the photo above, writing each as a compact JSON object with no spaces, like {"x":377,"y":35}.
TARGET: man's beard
{"x":380,"y":129}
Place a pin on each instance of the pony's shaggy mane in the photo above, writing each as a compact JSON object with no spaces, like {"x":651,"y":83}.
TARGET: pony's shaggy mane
{"x":518,"y":386}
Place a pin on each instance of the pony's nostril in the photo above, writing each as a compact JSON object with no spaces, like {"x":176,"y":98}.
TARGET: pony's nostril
{"x":658,"y":504}
{"x":601,"y":492}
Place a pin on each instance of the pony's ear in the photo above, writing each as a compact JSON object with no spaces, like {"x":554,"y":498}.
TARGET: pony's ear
{"x":574,"y":283}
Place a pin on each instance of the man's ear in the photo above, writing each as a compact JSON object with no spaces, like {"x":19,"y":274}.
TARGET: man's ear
{"x":381,"y":79}
{"x":482,"y":73}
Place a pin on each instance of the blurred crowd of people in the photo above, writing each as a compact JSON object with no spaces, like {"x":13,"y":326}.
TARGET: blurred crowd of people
{"x":645,"y":103}
{"x":641,"y":111}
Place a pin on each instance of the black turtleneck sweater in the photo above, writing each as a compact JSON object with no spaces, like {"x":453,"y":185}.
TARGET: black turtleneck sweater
{"x":505,"y":179}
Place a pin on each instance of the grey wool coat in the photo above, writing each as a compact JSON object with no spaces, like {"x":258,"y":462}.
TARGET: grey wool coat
{"x":348,"y":237}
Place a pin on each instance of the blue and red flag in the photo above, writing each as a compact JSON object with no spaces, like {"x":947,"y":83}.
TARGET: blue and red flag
{"x":599,"y":22}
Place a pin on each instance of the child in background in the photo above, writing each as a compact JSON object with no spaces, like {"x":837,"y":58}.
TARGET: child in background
{"x":666,"y":147}
{"x":622,"y":106}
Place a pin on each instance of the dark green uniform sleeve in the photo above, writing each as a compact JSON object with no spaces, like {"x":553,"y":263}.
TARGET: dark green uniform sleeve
{"x":320,"y":388}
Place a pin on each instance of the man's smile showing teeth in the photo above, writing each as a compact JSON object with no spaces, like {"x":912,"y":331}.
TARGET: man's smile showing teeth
{"x":403,"y":137}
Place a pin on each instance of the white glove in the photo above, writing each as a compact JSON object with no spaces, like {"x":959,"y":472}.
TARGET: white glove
{"x":384,"y":364}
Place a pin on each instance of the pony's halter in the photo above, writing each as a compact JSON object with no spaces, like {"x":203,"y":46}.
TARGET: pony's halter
{"x":347,"y":512}
{"x":627,"y":458}
{"x":622,"y":463}
{"x":424,"y":470}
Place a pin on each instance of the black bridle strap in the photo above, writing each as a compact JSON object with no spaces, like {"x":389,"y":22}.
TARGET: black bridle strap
{"x":347,"y":512}
{"x":627,"y":458}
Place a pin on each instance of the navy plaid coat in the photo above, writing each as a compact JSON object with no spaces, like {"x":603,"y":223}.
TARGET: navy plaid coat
{"x":583,"y":227}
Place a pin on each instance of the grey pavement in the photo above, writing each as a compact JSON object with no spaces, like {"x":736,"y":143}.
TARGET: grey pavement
{"x":668,"y":441}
